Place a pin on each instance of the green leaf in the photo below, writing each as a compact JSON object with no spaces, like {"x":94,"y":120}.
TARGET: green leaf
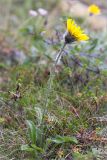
{"x":31,"y":148}
{"x":63,"y":139}
{"x":2,"y":65}
{"x":37,"y":148}
{"x":93,"y":45}
{"x":38,"y":136}
{"x":27,"y":148}
{"x":2,"y":120}
{"x":39,"y":114}
{"x":70,"y":139}
{"x":32,"y":131}
{"x":80,"y":156}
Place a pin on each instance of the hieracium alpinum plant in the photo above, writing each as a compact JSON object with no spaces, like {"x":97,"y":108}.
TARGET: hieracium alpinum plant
{"x":73,"y":33}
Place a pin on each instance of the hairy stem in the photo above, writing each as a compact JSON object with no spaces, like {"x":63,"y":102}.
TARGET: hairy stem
{"x":50,"y":81}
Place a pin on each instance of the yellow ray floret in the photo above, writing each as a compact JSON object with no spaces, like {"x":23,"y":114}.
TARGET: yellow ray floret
{"x":93,"y":9}
{"x":75,"y":31}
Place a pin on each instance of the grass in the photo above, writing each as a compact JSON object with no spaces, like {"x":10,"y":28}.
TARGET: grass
{"x":57,"y":121}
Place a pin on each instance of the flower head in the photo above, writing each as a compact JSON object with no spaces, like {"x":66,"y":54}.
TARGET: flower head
{"x":93,"y":9}
{"x":74,"y":32}
{"x":33,"y":13}
{"x":42,"y":12}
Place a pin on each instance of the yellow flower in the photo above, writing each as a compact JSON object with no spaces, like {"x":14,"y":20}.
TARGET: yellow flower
{"x":93,"y":9}
{"x":74,"y":32}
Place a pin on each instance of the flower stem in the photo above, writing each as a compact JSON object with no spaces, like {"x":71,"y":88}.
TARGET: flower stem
{"x":60,"y":54}
{"x":52,"y":72}
{"x":49,"y":89}
{"x":50,"y":81}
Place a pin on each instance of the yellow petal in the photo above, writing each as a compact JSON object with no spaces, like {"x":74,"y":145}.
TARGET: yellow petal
{"x":94,"y":9}
{"x":75,"y":31}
